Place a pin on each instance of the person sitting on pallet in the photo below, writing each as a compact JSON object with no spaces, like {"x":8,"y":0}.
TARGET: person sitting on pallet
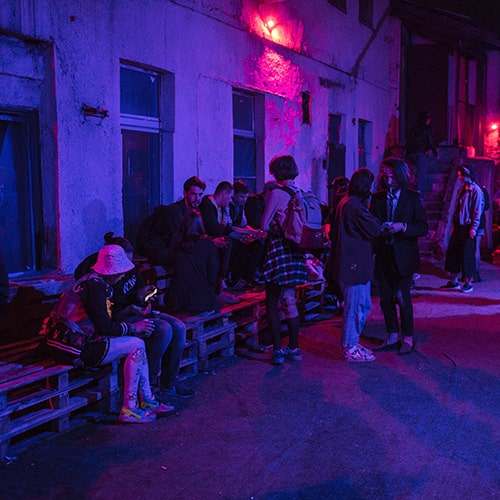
{"x":80,"y":331}
{"x":166,"y":345}
{"x":247,"y":244}
{"x":219,"y":225}
{"x":156,"y":231}
{"x":193,"y":286}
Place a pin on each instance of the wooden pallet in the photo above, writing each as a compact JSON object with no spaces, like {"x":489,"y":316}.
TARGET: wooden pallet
{"x":213,"y":334}
{"x":189,"y":362}
{"x":40,"y":397}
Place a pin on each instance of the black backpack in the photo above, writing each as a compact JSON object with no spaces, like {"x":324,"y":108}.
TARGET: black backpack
{"x":147,"y":242}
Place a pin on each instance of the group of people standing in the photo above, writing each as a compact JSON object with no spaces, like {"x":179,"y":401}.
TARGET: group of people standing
{"x":387,"y":224}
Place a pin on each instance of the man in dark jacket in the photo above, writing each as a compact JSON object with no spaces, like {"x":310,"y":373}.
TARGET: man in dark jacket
{"x":355,"y":228}
{"x":165,"y":221}
{"x":397,"y":254}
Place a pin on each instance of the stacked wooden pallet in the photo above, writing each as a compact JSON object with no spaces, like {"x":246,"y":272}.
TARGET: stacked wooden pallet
{"x":39,"y":397}
{"x":213,"y":335}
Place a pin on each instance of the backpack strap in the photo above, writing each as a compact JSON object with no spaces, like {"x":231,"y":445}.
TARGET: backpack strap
{"x":288,"y":190}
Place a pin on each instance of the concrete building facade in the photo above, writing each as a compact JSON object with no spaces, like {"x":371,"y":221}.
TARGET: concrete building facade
{"x":106,"y":107}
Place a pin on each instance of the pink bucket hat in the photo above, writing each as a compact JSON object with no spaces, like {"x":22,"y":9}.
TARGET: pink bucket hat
{"x":112,"y":259}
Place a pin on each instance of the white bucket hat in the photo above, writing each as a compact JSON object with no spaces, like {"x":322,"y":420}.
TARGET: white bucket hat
{"x":112,"y":259}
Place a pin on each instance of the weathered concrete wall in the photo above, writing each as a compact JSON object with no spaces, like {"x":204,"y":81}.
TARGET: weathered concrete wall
{"x":210,"y":47}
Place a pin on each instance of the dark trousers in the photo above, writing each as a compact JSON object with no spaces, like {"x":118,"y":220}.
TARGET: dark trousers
{"x":394,"y":291}
{"x":460,"y":254}
{"x":246,"y":259}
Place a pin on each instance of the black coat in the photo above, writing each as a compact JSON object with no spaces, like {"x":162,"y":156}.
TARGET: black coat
{"x":355,"y":228}
{"x":193,"y":283}
{"x":409,"y":210}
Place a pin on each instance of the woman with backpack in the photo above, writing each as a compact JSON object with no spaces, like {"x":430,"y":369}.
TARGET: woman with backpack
{"x":284,"y":262}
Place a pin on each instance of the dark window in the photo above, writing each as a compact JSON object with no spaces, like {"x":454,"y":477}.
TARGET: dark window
{"x":21,"y":229}
{"x":306,"y":108}
{"x":139,"y":92}
{"x":140,"y":111}
{"x":244,"y":139}
{"x":364,"y":142}
{"x":366,"y":12}
{"x":141,"y":181}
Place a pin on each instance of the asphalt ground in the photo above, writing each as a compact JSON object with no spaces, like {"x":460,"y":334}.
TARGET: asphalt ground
{"x":425,"y":425}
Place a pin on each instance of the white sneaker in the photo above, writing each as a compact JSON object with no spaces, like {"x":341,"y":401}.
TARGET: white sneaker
{"x":358,"y":354}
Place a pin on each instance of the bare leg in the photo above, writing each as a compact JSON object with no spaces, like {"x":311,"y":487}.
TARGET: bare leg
{"x":135,"y":351}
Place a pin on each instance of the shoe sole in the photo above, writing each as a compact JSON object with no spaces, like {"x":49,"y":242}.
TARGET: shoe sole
{"x":349,"y":360}
{"x":467,"y":291}
{"x":388,"y":347}
{"x":132,"y":420}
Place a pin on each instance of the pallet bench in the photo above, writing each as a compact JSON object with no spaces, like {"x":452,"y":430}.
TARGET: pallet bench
{"x":39,"y":397}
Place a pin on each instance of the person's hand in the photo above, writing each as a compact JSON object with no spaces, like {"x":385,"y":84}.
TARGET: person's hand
{"x":144,"y":291}
{"x":472,"y":233}
{"x":144,"y":328}
{"x":396,"y":227}
{"x":220,"y":242}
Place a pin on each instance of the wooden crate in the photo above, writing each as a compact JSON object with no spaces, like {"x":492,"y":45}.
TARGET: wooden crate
{"x":39,"y":398}
{"x":213,"y":334}
{"x":189,"y":362}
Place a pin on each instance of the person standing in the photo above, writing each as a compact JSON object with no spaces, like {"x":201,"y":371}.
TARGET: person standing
{"x":460,"y":254}
{"x":480,"y":233}
{"x":284,"y":262}
{"x":355,"y":228}
{"x":420,"y":143}
{"x":397,"y":254}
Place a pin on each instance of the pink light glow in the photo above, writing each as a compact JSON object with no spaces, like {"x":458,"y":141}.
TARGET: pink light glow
{"x":272,"y":72}
{"x":494,"y":126}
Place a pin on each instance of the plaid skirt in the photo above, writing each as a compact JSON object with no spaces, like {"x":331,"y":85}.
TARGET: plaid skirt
{"x":284,"y":262}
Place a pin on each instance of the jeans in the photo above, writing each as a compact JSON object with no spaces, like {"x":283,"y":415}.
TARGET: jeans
{"x":164,"y":348}
{"x":172,"y":358}
{"x":357,"y":305}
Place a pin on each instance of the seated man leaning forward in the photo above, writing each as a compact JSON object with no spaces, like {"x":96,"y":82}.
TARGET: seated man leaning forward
{"x":80,"y":331}
{"x":165,"y":346}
